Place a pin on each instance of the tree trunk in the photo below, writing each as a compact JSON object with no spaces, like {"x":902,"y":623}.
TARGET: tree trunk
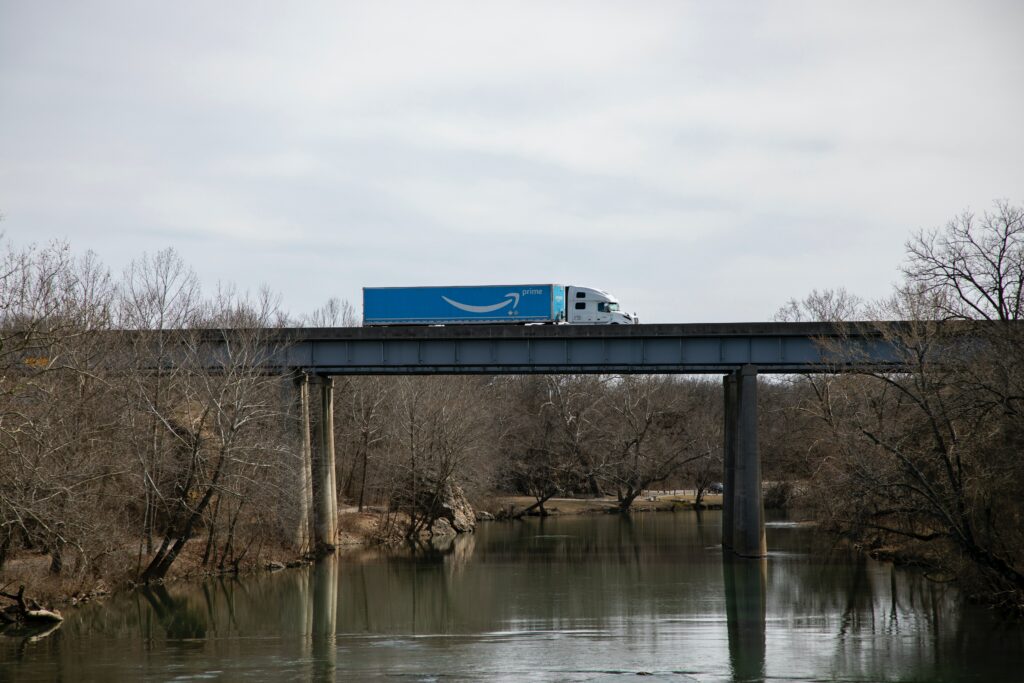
{"x":29,"y":611}
{"x":211,"y":532}
{"x":627,"y":500}
{"x":56,"y":557}
{"x":538,"y":505}
{"x":173,"y":543}
{"x":6,"y":536}
{"x":362,"y":482}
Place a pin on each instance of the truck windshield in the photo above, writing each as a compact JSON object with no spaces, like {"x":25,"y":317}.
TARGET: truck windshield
{"x":613,"y":307}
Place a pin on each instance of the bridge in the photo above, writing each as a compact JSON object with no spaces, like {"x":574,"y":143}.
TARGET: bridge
{"x":605,"y":349}
{"x":738,"y":351}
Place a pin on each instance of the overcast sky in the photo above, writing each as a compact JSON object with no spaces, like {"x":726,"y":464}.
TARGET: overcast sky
{"x":704,"y":161}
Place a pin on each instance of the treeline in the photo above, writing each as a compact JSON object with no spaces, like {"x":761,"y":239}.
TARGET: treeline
{"x":115,"y":450}
{"x":540,"y":436}
{"x":120,"y":455}
{"x":124,"y":454}
{"x":928,"y":464}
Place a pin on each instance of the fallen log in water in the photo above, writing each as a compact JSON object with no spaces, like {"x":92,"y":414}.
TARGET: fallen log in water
{"x":26,"y":610}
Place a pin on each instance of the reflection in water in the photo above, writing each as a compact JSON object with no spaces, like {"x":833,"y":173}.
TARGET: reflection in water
{"x":558,"y":599}
{"x":745,"y":614}
{"x":175,"y":616}
{"x":15,"y":639}
{"x":325,"y":617}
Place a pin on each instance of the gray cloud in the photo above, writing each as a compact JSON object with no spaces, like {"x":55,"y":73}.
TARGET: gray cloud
{"x":705,"y":161}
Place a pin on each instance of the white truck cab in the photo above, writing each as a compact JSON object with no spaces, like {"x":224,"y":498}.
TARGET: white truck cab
{"x":584,"y":305}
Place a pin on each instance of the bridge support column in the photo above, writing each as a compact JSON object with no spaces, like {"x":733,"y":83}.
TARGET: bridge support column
{"x":300,"y":465}
{"x":325,"y":488}
{"x":748,"y":538}
{"x":729,"y":459}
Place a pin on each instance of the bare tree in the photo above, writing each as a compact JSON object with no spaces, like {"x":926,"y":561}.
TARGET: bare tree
{"x":974,"y":266}
{"x":363,"y":412}
{"x":160,"y":300}
{"x":533,"y":460}
{"x":574,"y":405}
{"x":335,"y":313}
{"x":829,"y":305}
{"x":57,"y":424}
{"x":928,"y":458}
{"x":925,"y":461}
{"x":700,"y":412}
{"x":217,"y":419}
{"x":656,"y":425}
{"x":440,"y":435}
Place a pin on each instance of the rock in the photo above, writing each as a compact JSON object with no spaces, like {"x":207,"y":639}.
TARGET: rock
{"x":275,"y":566}
{"x":484,"y":516}
{"x":456,"y":510}
{"x":442,"y":527}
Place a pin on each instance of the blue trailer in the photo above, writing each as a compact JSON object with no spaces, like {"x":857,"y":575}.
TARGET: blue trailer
{"x":463,"y":305}
{"x":489,"y":304}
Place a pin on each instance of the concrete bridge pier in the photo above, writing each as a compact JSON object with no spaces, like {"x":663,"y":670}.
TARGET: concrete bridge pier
{"x":729,"y":458}
{"x":300,"y":465}
{"x":325,"y":484}
{"x":742,"y":505}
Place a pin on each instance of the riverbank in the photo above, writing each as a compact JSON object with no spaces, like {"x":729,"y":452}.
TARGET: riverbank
{"x":504,"y":506}
{"x":357,"y":531}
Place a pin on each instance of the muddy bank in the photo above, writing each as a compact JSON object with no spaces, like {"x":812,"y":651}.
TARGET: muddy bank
{"x":505,"y":506}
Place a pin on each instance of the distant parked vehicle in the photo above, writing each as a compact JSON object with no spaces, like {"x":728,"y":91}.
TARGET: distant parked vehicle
{"x":716,"y":487}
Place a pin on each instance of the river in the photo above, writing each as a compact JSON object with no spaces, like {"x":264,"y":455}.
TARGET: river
{"x":583,"y":598}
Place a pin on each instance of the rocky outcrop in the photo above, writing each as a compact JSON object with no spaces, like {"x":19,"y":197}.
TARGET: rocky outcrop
{"x":456,"y":511}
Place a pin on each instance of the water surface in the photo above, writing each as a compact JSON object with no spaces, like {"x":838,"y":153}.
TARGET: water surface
{"x":589,"y":598}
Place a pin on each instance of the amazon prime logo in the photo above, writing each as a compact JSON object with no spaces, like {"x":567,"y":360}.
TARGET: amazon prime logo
{"x":510,"y":298}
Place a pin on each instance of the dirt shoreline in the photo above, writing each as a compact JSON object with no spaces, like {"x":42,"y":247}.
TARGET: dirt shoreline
{"x":500,"y":505}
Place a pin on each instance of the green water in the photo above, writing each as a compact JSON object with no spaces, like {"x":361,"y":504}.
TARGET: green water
{"x":591,"y":598}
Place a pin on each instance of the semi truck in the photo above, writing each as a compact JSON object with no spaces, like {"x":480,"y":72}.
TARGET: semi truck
{"x":491,"y":304}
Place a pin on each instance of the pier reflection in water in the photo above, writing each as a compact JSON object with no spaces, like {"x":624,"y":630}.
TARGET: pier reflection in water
{"x":565,"y":599}
{"x":745,"y":589}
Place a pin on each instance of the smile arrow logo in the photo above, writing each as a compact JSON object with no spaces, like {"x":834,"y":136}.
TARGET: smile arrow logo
{"x":511,"y":298}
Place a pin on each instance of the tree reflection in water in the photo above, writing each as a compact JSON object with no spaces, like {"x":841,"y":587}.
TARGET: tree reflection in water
{"x":175,"y":616}
{"x":562,"y":599}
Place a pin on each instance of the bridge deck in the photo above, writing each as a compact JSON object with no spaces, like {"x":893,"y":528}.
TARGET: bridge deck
{"x":547,"y":349}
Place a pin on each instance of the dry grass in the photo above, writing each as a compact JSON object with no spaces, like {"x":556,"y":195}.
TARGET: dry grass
{"x":116,"y":571}
{"x":357,"y":528}
{"x":32,"y":570}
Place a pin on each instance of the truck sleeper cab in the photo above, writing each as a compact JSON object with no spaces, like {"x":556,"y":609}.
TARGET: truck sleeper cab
{"x":586,"y":306}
